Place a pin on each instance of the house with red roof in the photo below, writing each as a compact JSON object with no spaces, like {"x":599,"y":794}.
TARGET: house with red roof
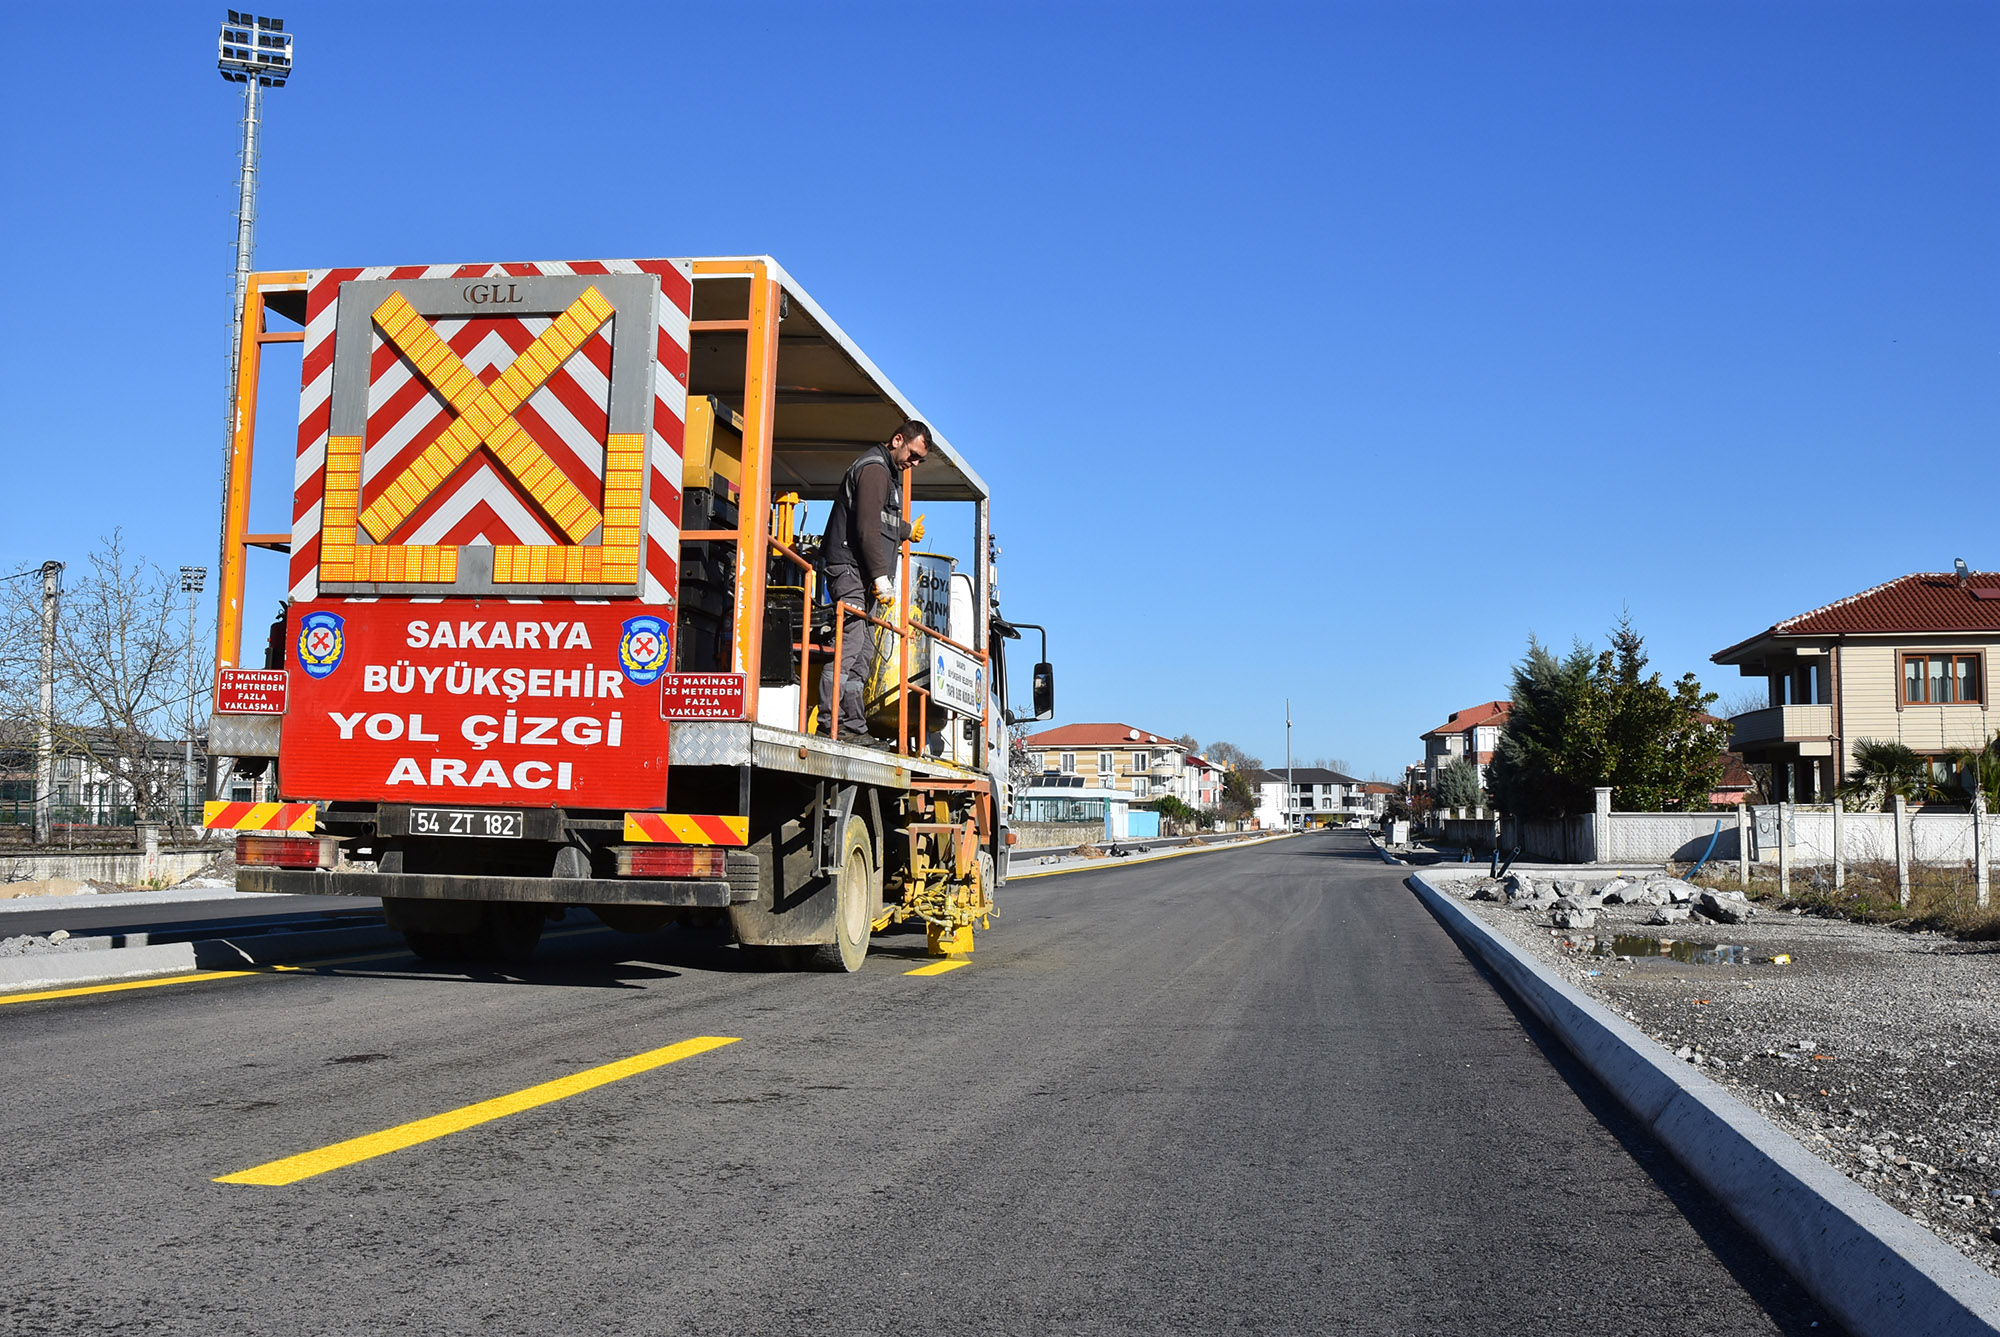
{"x":1903,"y":662}
{"x":1473,"y":732}
{"x":1113,"y":756}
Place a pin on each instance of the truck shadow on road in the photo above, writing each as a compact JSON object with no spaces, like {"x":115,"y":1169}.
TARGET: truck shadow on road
{"x":564,"y":974}
{"x":605,"y":959}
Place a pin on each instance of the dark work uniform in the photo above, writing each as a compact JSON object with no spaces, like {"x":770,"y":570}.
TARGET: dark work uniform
{"x":862,"y":535}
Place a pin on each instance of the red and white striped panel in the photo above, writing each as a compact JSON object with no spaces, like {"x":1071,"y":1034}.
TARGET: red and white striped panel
{"x":567,"y":417}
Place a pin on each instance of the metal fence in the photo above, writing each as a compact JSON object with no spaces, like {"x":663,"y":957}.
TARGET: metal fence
{"x":21,"y":813}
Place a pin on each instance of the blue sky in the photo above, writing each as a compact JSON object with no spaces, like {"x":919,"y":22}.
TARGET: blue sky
{"x":1323,"y":351}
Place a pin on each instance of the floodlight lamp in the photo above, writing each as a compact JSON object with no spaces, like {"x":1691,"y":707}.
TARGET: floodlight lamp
{"x":250,"y":45}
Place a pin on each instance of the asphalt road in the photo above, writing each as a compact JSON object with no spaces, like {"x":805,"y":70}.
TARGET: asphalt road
{"x":1254,"y":1090}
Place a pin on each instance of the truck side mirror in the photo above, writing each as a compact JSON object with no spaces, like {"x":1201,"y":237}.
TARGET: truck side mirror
{"x":1045,"y":691}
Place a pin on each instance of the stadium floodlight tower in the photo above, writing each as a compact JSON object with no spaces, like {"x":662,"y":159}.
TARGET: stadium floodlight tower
{"x":256,"y":52}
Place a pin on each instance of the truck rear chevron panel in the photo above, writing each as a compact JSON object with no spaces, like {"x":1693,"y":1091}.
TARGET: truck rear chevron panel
{"x":562,"y":436}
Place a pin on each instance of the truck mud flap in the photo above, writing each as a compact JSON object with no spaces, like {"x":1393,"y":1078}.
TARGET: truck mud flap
{"x":795,"y":903}
{"x":715,"y":892}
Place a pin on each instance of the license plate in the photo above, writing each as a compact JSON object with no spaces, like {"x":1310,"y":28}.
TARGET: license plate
{"x":465,"y":822}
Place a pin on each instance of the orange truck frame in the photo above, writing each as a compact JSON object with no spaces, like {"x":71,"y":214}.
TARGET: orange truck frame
{"x":552,"y":635}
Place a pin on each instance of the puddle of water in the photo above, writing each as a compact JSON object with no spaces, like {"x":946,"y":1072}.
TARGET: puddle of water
{"x":1691,"y":953}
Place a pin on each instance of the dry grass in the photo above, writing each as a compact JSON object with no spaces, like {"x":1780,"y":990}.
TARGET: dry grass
{"x":1944,"y":898}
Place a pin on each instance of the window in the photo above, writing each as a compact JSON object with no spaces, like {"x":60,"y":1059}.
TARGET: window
{"x":1141,"y":787}
{"x":1107,"y":764}
{"x":1069,"y":763}
{"x":1942,"y":679}
{"x":1142,"y":761}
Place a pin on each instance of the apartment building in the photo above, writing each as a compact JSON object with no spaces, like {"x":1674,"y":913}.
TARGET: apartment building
{"x":1117,"y":757}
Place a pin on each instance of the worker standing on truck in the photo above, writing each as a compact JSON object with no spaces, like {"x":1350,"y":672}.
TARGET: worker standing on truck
{"x":857,"y":560}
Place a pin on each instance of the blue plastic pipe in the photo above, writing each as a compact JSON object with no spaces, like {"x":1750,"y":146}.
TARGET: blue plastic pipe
{"x":1705,"y":853}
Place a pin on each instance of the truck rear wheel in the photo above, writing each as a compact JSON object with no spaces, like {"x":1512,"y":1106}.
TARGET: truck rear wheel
{"x":857,"y":898}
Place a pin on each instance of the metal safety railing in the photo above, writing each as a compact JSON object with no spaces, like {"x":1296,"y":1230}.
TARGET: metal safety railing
{"x":804,"y":646}
{"x":906,"y":689}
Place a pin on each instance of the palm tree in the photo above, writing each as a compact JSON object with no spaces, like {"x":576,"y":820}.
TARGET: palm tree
{"x":1981,"y":765}
{"x":1883,"y":770}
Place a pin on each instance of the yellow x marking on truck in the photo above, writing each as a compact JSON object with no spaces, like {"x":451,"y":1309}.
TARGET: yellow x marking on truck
{"x":485,"y":415}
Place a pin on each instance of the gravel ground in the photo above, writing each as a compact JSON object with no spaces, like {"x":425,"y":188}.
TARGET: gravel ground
{"x":1878,"y":1049}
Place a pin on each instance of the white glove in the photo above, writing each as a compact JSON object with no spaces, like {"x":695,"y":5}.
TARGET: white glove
{"x":885,"y":592}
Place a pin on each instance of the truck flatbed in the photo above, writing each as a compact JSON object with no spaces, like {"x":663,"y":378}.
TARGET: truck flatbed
{"x":768,"y":747}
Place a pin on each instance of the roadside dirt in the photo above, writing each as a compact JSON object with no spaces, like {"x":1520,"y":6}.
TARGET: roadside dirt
{"x":1877,"y":1048}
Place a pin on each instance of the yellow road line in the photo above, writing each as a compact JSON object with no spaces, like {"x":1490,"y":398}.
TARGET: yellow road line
{"x":311,"y":964}
{"x":938,"y":967}
{"x":305,"y":1165}
{"x":123,"y":985}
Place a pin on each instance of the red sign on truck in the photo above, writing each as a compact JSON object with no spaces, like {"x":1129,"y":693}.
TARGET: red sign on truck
{"x":477,"y":702}
{"x":702,"y":696}
{"x":242,"y":691}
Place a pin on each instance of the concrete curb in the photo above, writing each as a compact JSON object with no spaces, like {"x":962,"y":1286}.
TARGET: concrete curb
{"x":61,"y":970}
{"x":85,"y":901}
{"x":1880,"y":1273}
{"x":1136,"y":859}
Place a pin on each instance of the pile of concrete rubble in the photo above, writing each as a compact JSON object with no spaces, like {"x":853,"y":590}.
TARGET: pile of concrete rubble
{"x":1574,"y":902}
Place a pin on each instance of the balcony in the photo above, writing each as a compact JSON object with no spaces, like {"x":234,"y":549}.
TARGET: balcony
{"x":1800,"y":730}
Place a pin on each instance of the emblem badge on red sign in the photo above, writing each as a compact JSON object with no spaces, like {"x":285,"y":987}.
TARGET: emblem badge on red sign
{"x":322,"y":641}
{"x":645,"y":648}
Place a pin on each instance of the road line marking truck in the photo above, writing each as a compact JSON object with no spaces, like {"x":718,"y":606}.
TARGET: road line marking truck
{"x":552,"y":634}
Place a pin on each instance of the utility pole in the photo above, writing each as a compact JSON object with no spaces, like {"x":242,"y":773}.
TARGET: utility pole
{"x":192,"y":578}
{"x":1290,"y":790}
{"x":45,"y":742}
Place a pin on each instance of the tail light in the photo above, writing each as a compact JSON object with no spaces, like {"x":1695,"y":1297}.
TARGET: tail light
{"x":671,"y":861}
{"x":286,"y":851}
